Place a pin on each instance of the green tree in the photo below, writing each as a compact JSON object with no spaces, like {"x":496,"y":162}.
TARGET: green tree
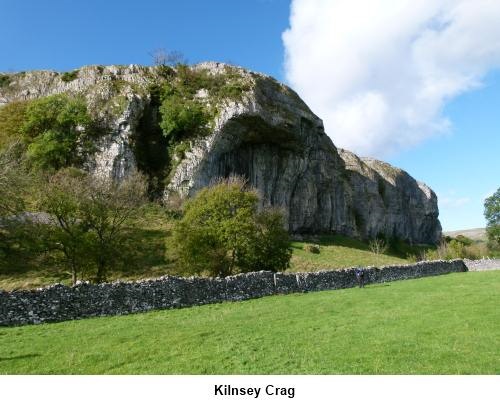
{"x":182,"y":118}
{"x":13,"y":183}
{"x":19,"y":239}
{"x":89,"y":218}
{"x":492,"y":215}
{"x":222,"y":233}
{"x":12,"y":180}
{"x":270,"y":249}
{"x":106,"y":211}
{"x":12,"y":117}
{"x":65,"y":232}
{"x":55,"y":129}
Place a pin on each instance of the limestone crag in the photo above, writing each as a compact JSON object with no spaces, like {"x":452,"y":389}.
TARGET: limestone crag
{"x":387,"y":200}
{"x":117,"y":96}
{"x":267,"y":134}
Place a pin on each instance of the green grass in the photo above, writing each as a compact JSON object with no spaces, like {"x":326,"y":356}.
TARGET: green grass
{"x":150,"y":234}
{"x":339,"y":252}
{"x":435,"y":325}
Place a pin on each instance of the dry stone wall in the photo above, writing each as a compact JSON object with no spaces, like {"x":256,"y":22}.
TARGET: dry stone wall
{"x":482,"y":264}
{"x":60,"y":303}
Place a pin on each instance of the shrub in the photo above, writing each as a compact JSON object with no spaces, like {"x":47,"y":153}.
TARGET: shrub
{"x":412,"y":258}
{"x":456,"y":250}
{"x":464,"y":240}
{"x":182,"y":118}
{"x":56,"y":129}
{"x":312,"y":248}
{"x":221,"y":233}
{"x":165,"y":71}
{"x":271,"y":244}
{"x":17,"y":241}
{"x":378,"y":246}
{"x":4,"y":80}
{"x":69,"y":76}
{"x":12,"y":117}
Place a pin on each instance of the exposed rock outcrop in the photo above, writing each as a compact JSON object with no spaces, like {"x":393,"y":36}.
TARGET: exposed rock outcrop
{"x":267,"y":134}
{"x":387,"y":200}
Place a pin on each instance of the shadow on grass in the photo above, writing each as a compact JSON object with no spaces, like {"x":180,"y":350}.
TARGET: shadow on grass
{"x":20,"y":357}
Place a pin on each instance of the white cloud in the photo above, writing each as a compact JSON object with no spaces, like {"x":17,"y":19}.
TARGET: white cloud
{"x":379,"y":72}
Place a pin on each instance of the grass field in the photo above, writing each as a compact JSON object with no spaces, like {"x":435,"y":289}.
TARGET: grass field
{"x":436,"y":325}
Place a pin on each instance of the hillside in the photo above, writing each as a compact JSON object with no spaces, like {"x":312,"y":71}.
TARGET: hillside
{"x":155,"y":258}
{"x":186,"y":126}
{"x":476,"y":234}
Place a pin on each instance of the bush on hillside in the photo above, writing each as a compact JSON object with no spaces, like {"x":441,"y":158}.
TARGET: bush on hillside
{"x":4,"y":80}
{"x":222,"y":233}
{"x":12,"y":117}
{"x":89,"y":219}
{"x":57,"y":131}
{"x":464,"y":240}
{"x":312,"y":248}
{"x":182,"y":118}
{"x":455,"y":250}
{"x":69,"y":76}
{"x":19,"y":242}
{"x":378,"y":246}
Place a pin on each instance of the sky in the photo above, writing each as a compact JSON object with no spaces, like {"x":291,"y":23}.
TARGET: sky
{"x":414,"y":83}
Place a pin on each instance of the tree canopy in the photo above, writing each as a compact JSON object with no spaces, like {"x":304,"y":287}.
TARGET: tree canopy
{"x":54,"y":129}
{"x":492,"y":215}
{"x":222,"y":233}
{"x":89,"y":218}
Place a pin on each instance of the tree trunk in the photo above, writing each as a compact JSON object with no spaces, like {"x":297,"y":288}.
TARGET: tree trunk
{"x":101,"y":271}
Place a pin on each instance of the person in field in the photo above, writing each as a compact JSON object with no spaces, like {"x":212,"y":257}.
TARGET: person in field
{"x":360,"y":276}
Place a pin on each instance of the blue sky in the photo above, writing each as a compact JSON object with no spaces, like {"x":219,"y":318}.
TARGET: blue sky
{"x":460,"y":163}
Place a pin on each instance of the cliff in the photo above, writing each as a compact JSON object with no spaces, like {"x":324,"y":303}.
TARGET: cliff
{"x":259,"y":129}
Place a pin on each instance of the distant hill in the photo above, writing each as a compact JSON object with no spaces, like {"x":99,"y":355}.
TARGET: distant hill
{"x":474,"y":234}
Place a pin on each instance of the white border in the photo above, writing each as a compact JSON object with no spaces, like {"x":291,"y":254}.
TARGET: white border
{"x":310,"y":390}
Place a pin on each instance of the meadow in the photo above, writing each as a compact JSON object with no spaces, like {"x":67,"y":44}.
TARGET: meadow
{"x":435,"y":325}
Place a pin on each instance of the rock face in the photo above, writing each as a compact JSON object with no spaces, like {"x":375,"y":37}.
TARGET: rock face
{"x":387,"y":200}
{"x":269,"y":136}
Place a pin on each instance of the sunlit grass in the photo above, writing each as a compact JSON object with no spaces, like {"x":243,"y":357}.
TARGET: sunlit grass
{"x":436,"y":325}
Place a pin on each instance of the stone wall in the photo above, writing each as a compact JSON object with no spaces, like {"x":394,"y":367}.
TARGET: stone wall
{"x":482,"y":264}
{"x":60,"y":303}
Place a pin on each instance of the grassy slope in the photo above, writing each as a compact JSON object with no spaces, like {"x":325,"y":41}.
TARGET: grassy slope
{"x":436,"y":325}
{"x":151,"y":232}
{"x":338,"y":252}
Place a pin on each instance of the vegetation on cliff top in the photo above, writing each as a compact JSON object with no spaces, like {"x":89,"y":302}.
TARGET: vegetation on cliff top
{"x":69,"y":76}
{"x":4,"y":80}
